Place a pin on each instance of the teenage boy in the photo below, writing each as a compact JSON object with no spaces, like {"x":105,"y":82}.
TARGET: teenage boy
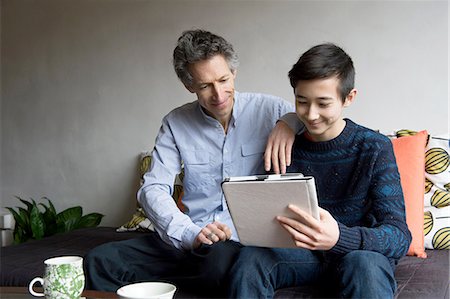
{"x":362,"y":233}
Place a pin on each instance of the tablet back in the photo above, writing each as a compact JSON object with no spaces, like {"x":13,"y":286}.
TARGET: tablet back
{"x":253,"y":206}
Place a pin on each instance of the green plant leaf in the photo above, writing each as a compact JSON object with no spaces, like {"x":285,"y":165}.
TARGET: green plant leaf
{"x":17,"y":218}
{"x":19,"y":236}
{"x":50,"y":205}
{"x":28,"y":204}
{"x":90,"y":220}
{"x":49,"y":217}
{"x":67,"y":220}
{"x":37,"y":222}
{"x":25,"y":215}
{"x":32,"y":223}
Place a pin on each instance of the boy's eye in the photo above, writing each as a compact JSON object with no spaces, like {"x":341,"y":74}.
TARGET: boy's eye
{"x":324,"y":105}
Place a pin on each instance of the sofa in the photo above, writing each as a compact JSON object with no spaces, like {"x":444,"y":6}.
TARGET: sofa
{"x":416,"y":277}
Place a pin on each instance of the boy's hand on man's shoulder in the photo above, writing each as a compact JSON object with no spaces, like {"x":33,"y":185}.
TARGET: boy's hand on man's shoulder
{"x":310,"y":233}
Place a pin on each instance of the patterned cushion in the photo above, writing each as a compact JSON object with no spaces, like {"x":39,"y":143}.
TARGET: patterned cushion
{"x":437,"y":194}
{"x":437,"y":191}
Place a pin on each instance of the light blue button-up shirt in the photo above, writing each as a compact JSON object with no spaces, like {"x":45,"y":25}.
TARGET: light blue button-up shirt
{"x":191,"y":137}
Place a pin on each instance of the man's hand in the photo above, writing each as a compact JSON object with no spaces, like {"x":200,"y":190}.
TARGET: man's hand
{"x":310,"y":233}
{"x":278,"y":148}
{"x":212,"y":233}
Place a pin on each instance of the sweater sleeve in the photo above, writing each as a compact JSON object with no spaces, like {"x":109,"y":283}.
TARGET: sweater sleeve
{"x":387,"y":231}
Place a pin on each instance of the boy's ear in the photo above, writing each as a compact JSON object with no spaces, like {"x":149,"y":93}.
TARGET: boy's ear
{"x":350,"y":97}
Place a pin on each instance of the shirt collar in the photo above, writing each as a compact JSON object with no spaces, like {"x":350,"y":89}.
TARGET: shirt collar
{"x":236,"y":108}
{"x":234,"y":116}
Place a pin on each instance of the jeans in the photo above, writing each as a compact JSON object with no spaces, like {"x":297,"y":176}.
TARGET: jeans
{"x":258,"y":272}
{"x":148,"y":258}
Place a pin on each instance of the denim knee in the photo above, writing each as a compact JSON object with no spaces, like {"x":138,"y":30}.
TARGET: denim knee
{"x":243,"y":274}
{"x":247,"y":264}
{"x":366,"y":274}
{"x":99,"y":253}
{"x":214,"y":262}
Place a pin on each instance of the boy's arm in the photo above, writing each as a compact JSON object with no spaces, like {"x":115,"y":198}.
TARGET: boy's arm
{"x":389,"y":235}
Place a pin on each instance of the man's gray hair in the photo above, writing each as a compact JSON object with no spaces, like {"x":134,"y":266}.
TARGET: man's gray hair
{"x":197,"y":45}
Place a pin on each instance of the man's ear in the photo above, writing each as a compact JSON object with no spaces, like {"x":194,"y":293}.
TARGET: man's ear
{"x":350,"y":97}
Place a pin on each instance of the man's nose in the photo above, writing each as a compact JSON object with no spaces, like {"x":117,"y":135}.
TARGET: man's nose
{"x":217,"y":91}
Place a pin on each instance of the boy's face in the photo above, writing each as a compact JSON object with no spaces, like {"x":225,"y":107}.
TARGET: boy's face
{"x":319,"y":106}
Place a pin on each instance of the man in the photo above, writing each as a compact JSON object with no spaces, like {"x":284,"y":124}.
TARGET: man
{"x":224,"y":133}
{"x":362,"y":233}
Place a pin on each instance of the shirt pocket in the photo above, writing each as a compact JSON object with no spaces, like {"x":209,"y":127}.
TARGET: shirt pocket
{"x":196,"y":157}
{"x":197,"y":169}
{"x":253,"y":157}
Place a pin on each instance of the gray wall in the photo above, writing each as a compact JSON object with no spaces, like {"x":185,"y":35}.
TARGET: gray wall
{"x":85,"y":84}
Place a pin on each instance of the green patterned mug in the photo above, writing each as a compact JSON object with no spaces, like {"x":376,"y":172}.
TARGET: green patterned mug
{"x":63,"y":278}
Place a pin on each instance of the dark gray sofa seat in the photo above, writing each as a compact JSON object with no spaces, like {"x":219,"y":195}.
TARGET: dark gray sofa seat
{"x":417,"y":278}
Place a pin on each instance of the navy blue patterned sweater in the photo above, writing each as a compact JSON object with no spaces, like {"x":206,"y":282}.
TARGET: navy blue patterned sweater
{"x":359,"y":184}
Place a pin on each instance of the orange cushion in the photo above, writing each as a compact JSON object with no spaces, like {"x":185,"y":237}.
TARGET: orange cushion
{"x":410,"y":155}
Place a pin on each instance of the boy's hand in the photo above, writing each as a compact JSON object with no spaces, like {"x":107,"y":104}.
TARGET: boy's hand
{"x":212,"y":233}
{"x":278,"y":148}
{"x":310,"y":233}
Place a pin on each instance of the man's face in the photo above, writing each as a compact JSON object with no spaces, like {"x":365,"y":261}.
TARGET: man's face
{"x":319,"y":107}
{"x":213,"y":82}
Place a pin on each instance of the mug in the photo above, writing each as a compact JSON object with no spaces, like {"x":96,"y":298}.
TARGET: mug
{"x":63,"y":278}
{"x":147,"y":290}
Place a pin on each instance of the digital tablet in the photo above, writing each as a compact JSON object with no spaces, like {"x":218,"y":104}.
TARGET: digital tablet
{"x":255,"y":201}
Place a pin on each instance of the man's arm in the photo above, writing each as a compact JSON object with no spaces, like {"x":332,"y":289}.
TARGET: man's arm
{"x":172,"y":225}
{"x":277,"y":155}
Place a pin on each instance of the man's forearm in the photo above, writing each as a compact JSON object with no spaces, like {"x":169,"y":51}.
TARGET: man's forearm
{"x":293,"y":122}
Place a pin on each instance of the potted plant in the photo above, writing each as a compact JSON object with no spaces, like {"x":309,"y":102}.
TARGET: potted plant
{"x":33,"y":223}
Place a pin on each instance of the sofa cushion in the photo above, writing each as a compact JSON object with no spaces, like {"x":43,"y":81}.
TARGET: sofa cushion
{"x":21,"y":263}
{"x":437,"y":190}
{"x":410,"y":155}
{"x":437,"y":194}
{"x":139,"y":221}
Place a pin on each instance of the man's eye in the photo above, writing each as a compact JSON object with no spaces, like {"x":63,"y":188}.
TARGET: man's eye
{"x":324,"y":105}
{"x":301,"y":103}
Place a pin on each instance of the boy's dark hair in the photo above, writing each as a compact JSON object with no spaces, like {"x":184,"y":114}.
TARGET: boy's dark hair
{"x":325,"y":61}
